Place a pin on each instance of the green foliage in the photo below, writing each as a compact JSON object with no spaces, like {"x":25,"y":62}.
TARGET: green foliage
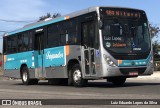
{"x":154,"y":31}
{"x":156,"y":45}
{"x":48,"y":15}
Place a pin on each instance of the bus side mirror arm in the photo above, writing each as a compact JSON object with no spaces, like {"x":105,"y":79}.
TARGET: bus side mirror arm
{"x":100,"y":24}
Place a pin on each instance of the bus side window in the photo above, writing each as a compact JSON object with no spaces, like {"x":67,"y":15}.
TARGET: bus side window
{"x":63,"y":40}
{"x":20,"y":41}
{"x":90,"y":35}
{"x":72,"y":38}
{"x":85,"y":35}
{"x":53,"y":36}
{"x":96,"y":39}
{"x":30,"y":41}
{"x":25,"y":41}
{"x":12,"y":44}
{"x":5,"y":45}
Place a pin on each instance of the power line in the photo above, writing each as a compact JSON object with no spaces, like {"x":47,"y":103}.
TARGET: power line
{"x":2,"y":31}
{"x":4,"y":20}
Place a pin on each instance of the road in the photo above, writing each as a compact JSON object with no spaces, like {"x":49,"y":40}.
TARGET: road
{"x":133,"y":89}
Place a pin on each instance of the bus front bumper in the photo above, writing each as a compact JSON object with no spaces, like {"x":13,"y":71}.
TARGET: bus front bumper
{"x":108,"y":71}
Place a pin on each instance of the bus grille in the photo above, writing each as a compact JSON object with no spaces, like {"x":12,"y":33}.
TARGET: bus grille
{"x":131,"y":57}
{"x":127,"y":70}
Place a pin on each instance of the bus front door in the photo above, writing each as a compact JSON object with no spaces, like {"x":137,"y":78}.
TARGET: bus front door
{"x":88,"y":50}
{"x":39,"y":52}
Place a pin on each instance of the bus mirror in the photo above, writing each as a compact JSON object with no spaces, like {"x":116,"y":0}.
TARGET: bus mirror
{"x":100,"y":24}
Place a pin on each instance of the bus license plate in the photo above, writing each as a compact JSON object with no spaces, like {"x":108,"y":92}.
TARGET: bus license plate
{"x":133,"y":73}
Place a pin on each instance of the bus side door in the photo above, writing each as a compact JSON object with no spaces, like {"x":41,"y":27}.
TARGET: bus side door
{"x":88,"y":47}
{"x":39,"y":52}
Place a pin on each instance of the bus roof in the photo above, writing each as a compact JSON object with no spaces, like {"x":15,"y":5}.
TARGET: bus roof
{"x":62,"y":18}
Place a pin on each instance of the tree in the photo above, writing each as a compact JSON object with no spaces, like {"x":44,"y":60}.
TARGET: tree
{"x":55,"y":15}
{"x":155,"y":46}
{"x":48,"y":15}
{"x":154,"y":31}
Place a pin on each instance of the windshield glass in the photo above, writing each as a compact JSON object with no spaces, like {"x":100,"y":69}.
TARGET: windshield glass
{"x":126,"y":35}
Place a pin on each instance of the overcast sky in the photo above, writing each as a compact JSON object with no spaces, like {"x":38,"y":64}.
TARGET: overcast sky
{"x":31,"y":10}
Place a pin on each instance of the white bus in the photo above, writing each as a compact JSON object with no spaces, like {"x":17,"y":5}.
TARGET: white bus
{"x":110,"y":43}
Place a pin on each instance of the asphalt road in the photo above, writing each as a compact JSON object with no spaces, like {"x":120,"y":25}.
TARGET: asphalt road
{"x":133,"y":89}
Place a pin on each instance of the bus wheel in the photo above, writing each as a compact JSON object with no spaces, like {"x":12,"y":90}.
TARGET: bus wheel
{"x":118,"y":81}
{"x":70,"y":78}
{"x":78,"y":81}
{"x":26,"y":79}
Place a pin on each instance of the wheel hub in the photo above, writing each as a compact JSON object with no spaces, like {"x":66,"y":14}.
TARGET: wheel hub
{"x":77,"y":75}
{"x":25,"y":76}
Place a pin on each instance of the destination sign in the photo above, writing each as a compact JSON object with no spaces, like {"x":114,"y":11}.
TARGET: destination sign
{"x":122,"y":12}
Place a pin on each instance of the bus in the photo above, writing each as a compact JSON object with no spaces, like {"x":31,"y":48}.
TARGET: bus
{"x":111,"y":43}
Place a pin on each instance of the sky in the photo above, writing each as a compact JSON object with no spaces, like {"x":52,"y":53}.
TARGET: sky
{"x":31,"y":10}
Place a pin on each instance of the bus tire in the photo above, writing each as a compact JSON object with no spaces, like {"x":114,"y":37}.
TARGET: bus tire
{"x":70,"y":78}
{"x":77,"y":79}
{"x":118,"y":81}
{"x":25,"y":77}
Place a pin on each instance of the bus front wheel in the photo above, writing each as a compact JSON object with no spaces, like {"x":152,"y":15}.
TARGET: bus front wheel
{"x":25,"y":77}
{"x":76,"y":76}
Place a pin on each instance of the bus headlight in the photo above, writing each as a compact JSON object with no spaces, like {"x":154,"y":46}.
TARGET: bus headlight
{"x":109,"y":61}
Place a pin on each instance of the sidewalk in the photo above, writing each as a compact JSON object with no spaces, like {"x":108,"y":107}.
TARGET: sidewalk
{"x":155,"y":76}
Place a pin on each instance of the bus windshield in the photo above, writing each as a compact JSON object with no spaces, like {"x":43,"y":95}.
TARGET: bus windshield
{"x":122,"y":35}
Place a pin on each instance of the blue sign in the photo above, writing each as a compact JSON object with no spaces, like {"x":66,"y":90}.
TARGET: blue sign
{"x":54,"y":56}
{"x":133,"y":45}
{"x":97,"y":53}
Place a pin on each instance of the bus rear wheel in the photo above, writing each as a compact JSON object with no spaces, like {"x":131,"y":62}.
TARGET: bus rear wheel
{"x":26,"y":79}
{"x":118,"y":81}
{"x":76,"y":76}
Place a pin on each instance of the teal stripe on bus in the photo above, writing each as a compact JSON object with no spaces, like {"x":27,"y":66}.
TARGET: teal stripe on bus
{"x":14,"y":61}
{"x":36,"y":26}
{"x":141,"y":62}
